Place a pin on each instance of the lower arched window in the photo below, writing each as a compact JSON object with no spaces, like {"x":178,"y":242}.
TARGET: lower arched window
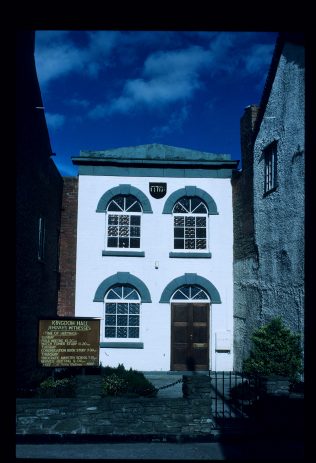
{"x":122,"y":313}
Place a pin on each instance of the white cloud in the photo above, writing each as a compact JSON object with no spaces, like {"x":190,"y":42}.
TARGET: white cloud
{"x":99,"y":111}
{"x":57,"y":55}
{"x":259,"y":58}
{"x":167,"y":77}
{"x":55,"y":121}
{"x":56,"y":61}
{"x":78,"y":102}
{"x":175,"y":123}
{"x":176,"y":62}
{"x":175,"y":75}
{"x":172,"y":74}
{"x":46,"y":37}
{"x":103,"y":42}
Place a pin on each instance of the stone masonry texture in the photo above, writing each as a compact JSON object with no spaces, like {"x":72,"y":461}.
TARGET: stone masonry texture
{"x":115,"y":415}
{"x":92,"y":414}
{"x":269,"y":260}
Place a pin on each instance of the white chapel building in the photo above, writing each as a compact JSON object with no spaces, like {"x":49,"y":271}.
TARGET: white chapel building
{"x":154,"y":258}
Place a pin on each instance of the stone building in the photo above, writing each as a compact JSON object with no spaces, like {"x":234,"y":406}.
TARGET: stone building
{"x":38,"y":204}
{"x":154,"y":257}
{"x":269,"y":202}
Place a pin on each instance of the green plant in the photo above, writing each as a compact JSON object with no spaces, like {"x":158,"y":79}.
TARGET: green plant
{"x":52,"y":387}
{"x":29,"y":386}
{"x":245,"y":390}
{"x":113,"y":385}
{"x":118,"y":381}
{"x":276,"y":351}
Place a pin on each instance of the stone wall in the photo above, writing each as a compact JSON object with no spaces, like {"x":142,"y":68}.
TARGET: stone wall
{"x":188,"y":417}
{"x":114,"y":416}
{"x":269,"y":227}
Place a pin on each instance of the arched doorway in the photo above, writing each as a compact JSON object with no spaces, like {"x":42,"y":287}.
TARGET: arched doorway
{"x":190,"y":329}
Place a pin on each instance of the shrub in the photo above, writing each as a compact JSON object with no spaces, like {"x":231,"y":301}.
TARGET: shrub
{"x":113,"y":385}
{"x":52,"y":387}
{"x":118,"y":381}
{"x":276,"y":351}
{"x":30,"y":386}
{"x":245,"y":390}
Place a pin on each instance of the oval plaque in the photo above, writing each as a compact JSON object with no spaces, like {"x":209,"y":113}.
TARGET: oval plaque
{"x":157,"y":190}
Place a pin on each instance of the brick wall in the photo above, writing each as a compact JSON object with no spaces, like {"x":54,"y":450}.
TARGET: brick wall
{"x":67,"y":250}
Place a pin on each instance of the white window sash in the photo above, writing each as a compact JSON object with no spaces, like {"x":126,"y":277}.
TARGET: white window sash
{"x":121,"y":301}
{"x":206,"y":249}
{"x":119,"y":213}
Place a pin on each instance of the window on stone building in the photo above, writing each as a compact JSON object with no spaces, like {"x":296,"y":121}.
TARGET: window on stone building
{"x":41,"y":239}
{"x":190,"y":219}
{"x":270,"y":167}
{"x":123,"y":222}
{"x":122,"y":313}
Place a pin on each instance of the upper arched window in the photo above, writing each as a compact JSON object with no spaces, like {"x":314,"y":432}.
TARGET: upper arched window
{"x":123,"y":222}
{"x":190,"y":216}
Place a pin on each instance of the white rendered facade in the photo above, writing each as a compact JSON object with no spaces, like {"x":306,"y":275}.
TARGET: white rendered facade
{"x":157,"y":270}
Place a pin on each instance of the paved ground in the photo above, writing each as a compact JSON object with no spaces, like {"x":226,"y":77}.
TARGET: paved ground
{"x":160,"y":379}
{"x":248,"y":450}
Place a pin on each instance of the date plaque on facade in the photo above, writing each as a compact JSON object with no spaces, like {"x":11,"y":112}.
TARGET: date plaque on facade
{"x":157,"y":190}
{"x":69,"y":342}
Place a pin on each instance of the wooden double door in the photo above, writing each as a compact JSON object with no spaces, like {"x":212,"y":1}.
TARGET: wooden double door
{"x":190,"y":334}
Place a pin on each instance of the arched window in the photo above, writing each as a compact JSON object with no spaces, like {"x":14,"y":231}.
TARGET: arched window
{"x":123,"y":222}
{"x":190,"y":216}
{"x":190,"y":293}
{"x":122,"y":313}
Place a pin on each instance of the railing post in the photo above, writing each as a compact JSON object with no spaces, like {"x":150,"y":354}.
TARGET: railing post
{"x":223,"y":399}
{"x":230,"y":387}
{"x":216,"y":393}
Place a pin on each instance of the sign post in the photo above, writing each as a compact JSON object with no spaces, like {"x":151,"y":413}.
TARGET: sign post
{"x":69,"y":342}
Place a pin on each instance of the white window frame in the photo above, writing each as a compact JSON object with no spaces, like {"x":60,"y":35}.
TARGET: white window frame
{"x":195,"y":215}
{"x":121,"y":300}
{"x":190,"y":298}
{"x":124,"y":212}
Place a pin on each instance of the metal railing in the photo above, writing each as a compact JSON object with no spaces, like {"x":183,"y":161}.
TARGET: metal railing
{"x":234,"y":395}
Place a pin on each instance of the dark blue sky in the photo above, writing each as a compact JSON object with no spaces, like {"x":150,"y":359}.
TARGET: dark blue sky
{"x":106,"y":89}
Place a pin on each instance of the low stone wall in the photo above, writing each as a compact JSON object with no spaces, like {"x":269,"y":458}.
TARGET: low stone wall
{"x":196,"y":386}
{"x":114,"y":416}
{"x":120,"y":416}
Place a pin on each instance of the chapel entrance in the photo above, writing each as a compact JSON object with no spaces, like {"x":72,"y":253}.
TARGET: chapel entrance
{"x":190,"y":336}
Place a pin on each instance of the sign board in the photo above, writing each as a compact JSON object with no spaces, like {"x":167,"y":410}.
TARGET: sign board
{"x":223,"y":341}
{"x":157,"y":190}
{"x":69,"y":342}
